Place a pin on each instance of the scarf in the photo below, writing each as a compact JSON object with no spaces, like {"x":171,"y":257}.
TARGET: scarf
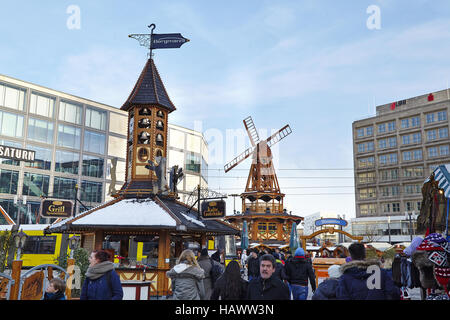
{"x":99,"y":270}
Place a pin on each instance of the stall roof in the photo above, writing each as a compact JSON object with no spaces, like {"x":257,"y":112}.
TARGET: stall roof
{"x":380,"y":246}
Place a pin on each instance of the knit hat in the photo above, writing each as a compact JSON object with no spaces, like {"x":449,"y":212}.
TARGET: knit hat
{"x":348,"y":259}
{"x":334,"y":271}
{"x":204,"y":252}
{"x":299,"y":252}
{"x":413,"y":246}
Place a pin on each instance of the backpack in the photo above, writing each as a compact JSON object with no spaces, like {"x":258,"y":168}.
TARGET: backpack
{"x":216,"y":271}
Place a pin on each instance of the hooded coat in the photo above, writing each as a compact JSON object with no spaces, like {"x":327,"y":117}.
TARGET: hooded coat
{"x":187,"y":282}
{"x":298,"y":271}
{"x":326,"y":290}
{"x":353,"y":284}
{"x":205,"y":262}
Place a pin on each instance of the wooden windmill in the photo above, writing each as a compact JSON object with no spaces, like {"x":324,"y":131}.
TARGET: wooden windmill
{"x":262,"y":192}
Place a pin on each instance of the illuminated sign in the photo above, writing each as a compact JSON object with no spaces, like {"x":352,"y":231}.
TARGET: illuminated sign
{"x":55,"y":208}
{"x":338,"y":222}
{"x":213,"y":209}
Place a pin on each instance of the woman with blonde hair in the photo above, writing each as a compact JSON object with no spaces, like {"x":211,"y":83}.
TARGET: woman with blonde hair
{"x":187,"y":278}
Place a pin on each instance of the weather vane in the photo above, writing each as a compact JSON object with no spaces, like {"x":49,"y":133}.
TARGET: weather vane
{"x":159,"y":41}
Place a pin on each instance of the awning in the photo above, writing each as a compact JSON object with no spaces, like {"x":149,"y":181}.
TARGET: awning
{"x":442,"y":176}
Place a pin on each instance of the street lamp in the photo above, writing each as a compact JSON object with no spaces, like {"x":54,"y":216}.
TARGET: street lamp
{"x":19,"y":239}
{"x":389,"y":228}
{"x":409,"y":216}
{"x":73,"y":244}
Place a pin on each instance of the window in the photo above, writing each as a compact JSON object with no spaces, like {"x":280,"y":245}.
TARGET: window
{"x":35,"y":184}
{"x":66,"y":161}
{"x":64,"y":188}
{"x":95,"y":119}
{"x":417,"y":154}
{"x":382,"y":128}
{"x":382,"y":144}
{"x":365,"y":209}
{"x":413,"y":172}
{"x":70,"y":112}
{"x":415,"y":121}
{"x":9,"y":161}
{"x":12,"y":97}
{"x":8,"y":181}
{"x":392,"y":158}
{"x":366,"y":177}
{"x":204,"y":169}
{"x":443,"y":150}
{"x":417,"y":137}
{"x":386,"y":207}
{"x":405,"y":139}
{"x":412,"y":189}
{"x":42,"y":105}
{"x":431,"y":135}
{"x":369,"y":131}
{"x":443,"y":133}
{"x":405,"y":123}
{"x":382,"y":159}
{"x":40,"y":245}
{"x":193,"y":162}
{"x":40,"y":130}
{"x":93,"y":166}
{"x":360,"y":133}
{"x":392,"y":142}
{"x":367,"y":193}
{"x":361,"y":147}
{"x":11,"y":124}
{"x":42,"y":159}
{"x":442,"y":115}
{"x":91,"y":191}
{"x":432,"y":152}
{"x":370,"y":146}
{"x":407,"y":155}
{"x":430,"y":117}
{"x":388,"y":175}
{"x":391,"y":126}
{"x":396,"y":207}
{"x":94,"y":142}
{"x":69,"y":136}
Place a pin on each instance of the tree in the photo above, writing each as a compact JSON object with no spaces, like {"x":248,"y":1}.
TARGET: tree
{"x":81,"y":257}
{"x":371,"y":233}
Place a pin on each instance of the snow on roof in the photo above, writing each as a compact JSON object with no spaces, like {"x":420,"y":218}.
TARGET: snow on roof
{"x":25,"y":227}
{"x":381,"y":246}
{"x":193,"y":220}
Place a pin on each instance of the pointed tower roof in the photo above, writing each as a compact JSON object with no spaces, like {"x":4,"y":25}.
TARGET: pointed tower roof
{"x":149,"y":89}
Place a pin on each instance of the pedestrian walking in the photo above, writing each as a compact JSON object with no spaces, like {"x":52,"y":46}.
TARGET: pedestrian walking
{"x":354,"y":284}
{"x":266,"y":286}
{"x":230,"y":285}
{"x":102,"y":281}
{"x":327,"y":288}
{"x":205,"y":262}
{"x":217,"y":256}
{"x":187,"y":278}
{"x":55,"y":290}
{"x":279,"y":269}
{"x":253,"y":265}
{"x":298,"y":272}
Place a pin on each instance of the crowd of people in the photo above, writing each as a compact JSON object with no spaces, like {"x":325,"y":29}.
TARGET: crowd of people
{"x":260,"y":275}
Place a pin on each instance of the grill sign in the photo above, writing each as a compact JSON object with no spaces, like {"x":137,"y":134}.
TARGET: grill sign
{"x":55,"y":208}
{"x":213,"y":209}
{"x":17,"y":153}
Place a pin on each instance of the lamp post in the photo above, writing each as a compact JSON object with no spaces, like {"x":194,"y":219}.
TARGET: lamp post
{"x":409,"y":216}
{"x":19,"y":239}
{"x":73,"y":244}
{"x":389,"y":228}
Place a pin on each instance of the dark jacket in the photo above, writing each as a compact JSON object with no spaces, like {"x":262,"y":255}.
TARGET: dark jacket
{"x":269,"y":289}
{"x":298,"y":271}
{"x":54,"y":296}
{"x":326,"y":290}
{"x":205,"y":262}
{"x":279,"y":270}
{"x":253,"y":266}
{"x":353,"y":284}
{"x":107,"y":287}
{"x":220,"y":287}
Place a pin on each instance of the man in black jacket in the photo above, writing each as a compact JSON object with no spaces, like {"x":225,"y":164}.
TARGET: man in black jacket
{"x":267,"y":287}
{"x":253,"y":266}
{"x":298,"y":272}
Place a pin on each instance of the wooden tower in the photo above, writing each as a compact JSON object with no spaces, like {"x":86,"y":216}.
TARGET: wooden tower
{"x":262,"y":200}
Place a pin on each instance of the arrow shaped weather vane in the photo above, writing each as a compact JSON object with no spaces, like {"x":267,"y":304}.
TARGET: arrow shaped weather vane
{"x":159,"y":41}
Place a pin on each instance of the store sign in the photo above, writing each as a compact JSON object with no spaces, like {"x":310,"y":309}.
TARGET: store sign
{"x":338,"y":222}
{"x":167,"y":41}
{"x":55,"y":208}
{"x":17,"y":153}
{"x":213,"y":209}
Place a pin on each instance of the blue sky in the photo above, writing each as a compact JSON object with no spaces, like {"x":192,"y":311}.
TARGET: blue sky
{"x":311,"y":64}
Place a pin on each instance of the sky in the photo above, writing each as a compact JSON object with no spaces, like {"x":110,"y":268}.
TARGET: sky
{"x":316,"y":65}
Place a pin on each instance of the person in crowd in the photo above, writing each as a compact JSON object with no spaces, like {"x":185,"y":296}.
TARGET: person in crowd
{"x":217,"y":256}
{"x":298,"y":272}
{"x":244,"y":257}
{"x":253,"y":265}
{"x":205,"y":262}
{"x":266,"y":286}
{"x":279,"y":269}
{"x":102,"y":281}
{"x":354,"y":284}
{"x":281,"y":254}
{"x":187,"y":278}
{"x":55,"y":290}
{"x":230,"y":285}
{"x":327,"y":288}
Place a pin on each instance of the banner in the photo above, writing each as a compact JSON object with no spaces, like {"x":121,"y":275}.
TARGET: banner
{"x":338,"y":222}
{"x":167,"y":41}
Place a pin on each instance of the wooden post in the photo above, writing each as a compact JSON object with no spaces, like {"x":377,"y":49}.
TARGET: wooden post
{"x":70,"y":272}
{"x":15,"y":274}
{"x":163,"y":254}
{"x":98,"y":240}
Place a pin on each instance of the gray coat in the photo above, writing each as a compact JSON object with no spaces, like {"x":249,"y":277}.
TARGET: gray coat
{"x":187,"y":282}
{"x":205,"y":264}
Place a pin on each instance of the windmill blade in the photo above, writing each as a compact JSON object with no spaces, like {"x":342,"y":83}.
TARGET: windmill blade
{"x":251,"y":131}
{"x":244,"y":155}
{"x":279,"y":135}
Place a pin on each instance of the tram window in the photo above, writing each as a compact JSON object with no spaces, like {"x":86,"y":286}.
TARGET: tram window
{"x":40,"y":245}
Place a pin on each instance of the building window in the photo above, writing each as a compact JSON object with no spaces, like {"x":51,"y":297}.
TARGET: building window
{"x":370,"y":146}
{"x":93,"y":166}
{"x":361,"y":147}
{"x":8,"y":181}
{"x":10,"y":144}
{"x":360,"y":132}
{"x":70,"y":112}
{"x":396,"y":207}
{"x":382,"y":144}
{"x":94,"y":142}
{"x":417,"y":137}
{"x":413,"y":172}
{"x":42,"y":159}
{"x":366,"y":177}
{"x":407,"y":155}
{"x":66,"y":161}
{"x":382,"y":159}
{"x":405,"y":139}
{"x":367,"y":193}
{"x":42,"y":105}
{"x":11,"y":124}
{"x":391,"y":126}
{"x":69,"y":136}
{"x":40,"y":130}
{"x":443,"y":150}
{"x":430,"y":117}
{"x":64,"y":188}
{"x":415,"y":121}
{"x":417,"y":154}
{"x":405,"y":123}
{"x":442,"y":115}
{"x":386,"y":207}
{"x":91,"y":191}
{"x":412,"y":189}
{"x":12,"y":97}
{"x":392,"y":158}
{"x":443,"y":133}
{"x":35,"y":184}
{"x":204,"y":169}
{"x":431,"y":135}
{"x":432,"y":152}
{"x":382,"y":128}
{"x":95,"y":119}
{"x":193,"y":162}
{"x":369,"y":131}
{"x":392,"y":142}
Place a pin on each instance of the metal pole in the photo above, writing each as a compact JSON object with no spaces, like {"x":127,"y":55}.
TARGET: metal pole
{"x":389,"y":229}
{"x":198,"y":187}
{"x":410,"y":227}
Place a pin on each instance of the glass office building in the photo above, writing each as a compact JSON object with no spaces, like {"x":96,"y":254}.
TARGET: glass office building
{"x":76,"y":142}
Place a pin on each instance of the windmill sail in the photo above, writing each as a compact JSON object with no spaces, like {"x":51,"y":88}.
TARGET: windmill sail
{"x":279,"y":135}
{"x":233,"y":163}
{"x":251,"y":130}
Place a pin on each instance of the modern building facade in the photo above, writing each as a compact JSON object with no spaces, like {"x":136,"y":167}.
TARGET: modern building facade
{"x":309,"y":227}
{"x":77,"y":143}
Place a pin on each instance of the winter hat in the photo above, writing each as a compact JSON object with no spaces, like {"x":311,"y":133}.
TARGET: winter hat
{"x":299,"y":252}
{"x":348,"y":259}
{"x":334,"y":271}
{"x":413,"y":246}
